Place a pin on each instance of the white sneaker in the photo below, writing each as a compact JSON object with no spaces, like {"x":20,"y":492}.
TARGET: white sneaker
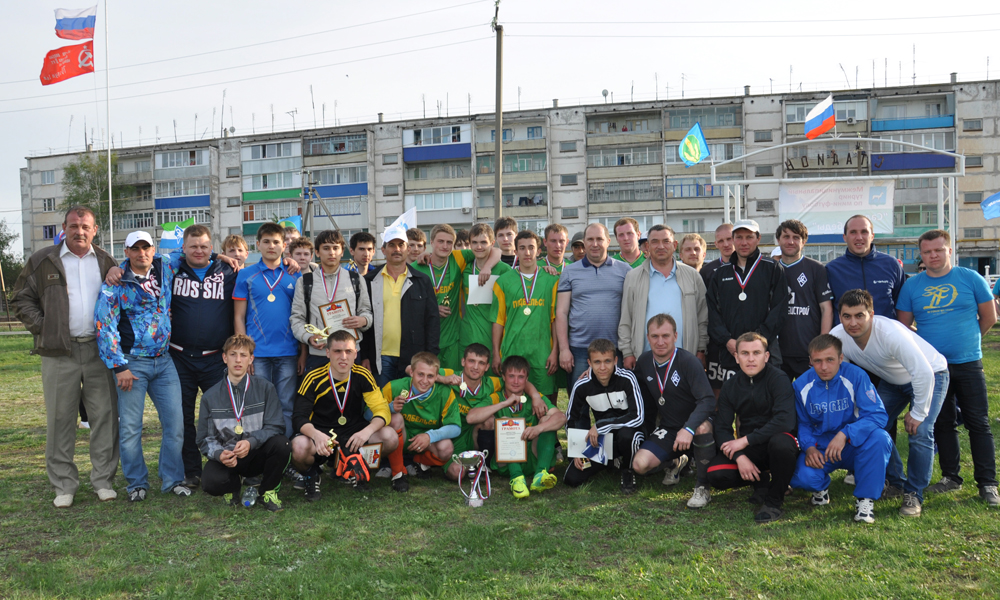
{"x":182,"y":491}
{"x":849,"y":479}
{"x":673,"y":474}
{"x":84,"y":425}
{"x":106,"y":495}
{"x":63,"y":501}
{"x":699,"y":498}
{"x":384,"y":473}
{"x":820,"y":498}
{"x":866,"y":510}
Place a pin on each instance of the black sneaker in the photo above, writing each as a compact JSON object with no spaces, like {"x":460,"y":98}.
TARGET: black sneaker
{"x":297,"y":479}
{"x":253,"y":481}
{"x":401,"y":484}
{"x":423,"y":473}
{"x":311,"y":481}
{"x":192,"y":482}
{"x":628,"y":481}
{"x":137,"y":495}
{"x":767,"y":514}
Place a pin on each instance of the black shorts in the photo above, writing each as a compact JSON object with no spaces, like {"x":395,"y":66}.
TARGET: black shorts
{"x":661,"y":443}
{"x":343,"y":433}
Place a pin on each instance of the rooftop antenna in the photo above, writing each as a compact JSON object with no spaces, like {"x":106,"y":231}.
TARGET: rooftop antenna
{"x":195,"y":131}
{"x":222,"y":120}
{"x":605,"y":94}
{"x":656,"y":80}
{"x":789,"y":79}
{"x":439,"y":108}
{"x":292,"y":114}
{"x":313,"y":100}
{"x":683,"y":78}
{"x":470,"y":104}
{"x":253,"y":123}
{"x":447,"y":104}
{"x":845,"y":75}
{"x":157,"y":133}
{"x":873,"y":73}
{"x":272,"y":118}
{"x":69,"y":136}
{"x":231,"y":125}
{"x":518,"y":97}
{"x":631,"y":93}
{"x":987,"y":67}
{"x":769,"y":79}
{"x":324,"y":114}
{"x":856,"y":69}
{"x":175,"y":131}
{"x":914,"y":64}
{"x":222,"y":125}
{"x":886,"y":84}
{"x":423,"y":101}
{"x":335,"y":121}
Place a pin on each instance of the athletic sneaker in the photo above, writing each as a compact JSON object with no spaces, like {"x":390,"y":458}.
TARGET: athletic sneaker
{"x":106,"y":494}
{"x":865,"y":508}
{"x":627,"y":484}
{"x":911,"y":505}
{"x":673,"y":474}
{"x":271,"y":501}
{"x":401,"y":484}
{"x":384,"y":473}
{"x":181,"y":491}
{"x":63,"y":501}
{"x":298,"y":479}
{"x":767,"y":514}
{"x":518,"y":488}
{"x":849,"y":479}
{"x":230,"y":499}
{"x":311,"y":483}
{"x":700,"y":498}
{"x":989,"y":494}
{"x":946,"y":484}
{"x":423,"y":472}
{"x":891,"y":491}
{"x":542,"y":481}
{"x":820,"y":498}
{"x":137,"y":495}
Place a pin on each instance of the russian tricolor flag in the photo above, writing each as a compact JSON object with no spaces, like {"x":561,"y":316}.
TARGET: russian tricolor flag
{"x":76,"y":24}
{"x":820,"y":119}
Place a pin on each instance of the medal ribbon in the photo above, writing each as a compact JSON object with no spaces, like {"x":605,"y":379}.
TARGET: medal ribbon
{"x":271,"y":287}
{"x":415,"y":396}
{"x":548,"y":264}
{"x":479,"y":387}
{"x":243,"y":401}
{"x":662,"y":384}
{"x":438,"y":281}
{"x":326,"y":290}
{"x":333,"y":386}
{"x":529,"y":294}
{"x":743,"y":282}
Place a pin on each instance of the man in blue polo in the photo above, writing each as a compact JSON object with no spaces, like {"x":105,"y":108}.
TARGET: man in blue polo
{"x":862,"y":267}
{"x":953,"y":308}
{"x":589,"y":301}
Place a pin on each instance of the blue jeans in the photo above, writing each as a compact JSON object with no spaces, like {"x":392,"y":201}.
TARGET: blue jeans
{"x":280,"y":371}
{"x":920,"y":462}
{"x":158,"y":378}
{"x":390,"y":370}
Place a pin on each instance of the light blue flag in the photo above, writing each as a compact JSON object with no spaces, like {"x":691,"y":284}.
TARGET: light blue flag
{"x":295,"y":222}
{"x":693,"y":148}
{"x":991,"y":206}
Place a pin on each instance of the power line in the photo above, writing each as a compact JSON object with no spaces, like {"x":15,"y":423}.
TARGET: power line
{"x":768,"y":36}
{"x":287,"y":39}
{"x":742,"y":22}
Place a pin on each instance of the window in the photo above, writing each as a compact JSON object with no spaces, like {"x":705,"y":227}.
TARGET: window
{"x":236,"y":231}
{"x":437,"y":171}
{"x":535,"y":133}
{"x":891,"y":111}
{"x":185,"y":187}
{"x":276,"y":150}
{"x":232,"y":171}
{"x":571,"y":213}
{"x":439,"y":201}
{"x":720,"y":152}
{"x":693,"y":187}
{"x":337,"y":144}
{"x":914,"y":215}
{"x":340,"y":175}
{"x":429,"y":136}
{"x":390,"y":190}
{"x":567,"y":179}
{"x":390,"y":159}
{"x":625,"y":191}
{"x":271,"y":181}
{"x":611,"y":157}
{"x":848,"y":109}
{"x":48,"y":205}
{"x":133,"y":220}
{"x":939,"y":140}
{"x":622,"y":124}
{"x":762,"y":136}
{"x":517,"y":197}
{"x":765,"y":206}
{"x":268,"y":211}
{"x":48,"y":232}
{"x":645,"y":222}
{"x":709,"y":117}
{"x":932,"y":109}
{"x":973,"y":197}
{"x":972,"y":233}
{"x":183,"y":158}
{"x":233,"y":201}
{"x":513,"y":163}
{"x":537,"y":226}
{"x":172,"y":216}
{"x":567,"y":146}
{"x":764,"y":171}
{"x":973,"y":161}
{"x":48,"y":177}
{"x":146,"y":194}
{"x":508,"y":135}
{"x":972,"y":124}
{"x":339,"y":207}
{"x":693,"y":225}
{"x":142,"y":166}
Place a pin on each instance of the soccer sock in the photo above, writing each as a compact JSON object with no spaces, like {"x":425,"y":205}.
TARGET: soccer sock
{"x":515,"y":471}
{"x":546,"y":451}
{"x":704,"y":452}
{"x":396,"y":457}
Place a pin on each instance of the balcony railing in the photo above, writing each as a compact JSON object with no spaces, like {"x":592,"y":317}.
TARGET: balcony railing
{"x":913,"y":123}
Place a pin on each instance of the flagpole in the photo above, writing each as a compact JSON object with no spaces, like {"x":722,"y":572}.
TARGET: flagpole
{"x":107,"y":95}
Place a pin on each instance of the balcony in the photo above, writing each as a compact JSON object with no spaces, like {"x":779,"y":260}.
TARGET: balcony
{"x":341,"y":207}
{"x":134,"y":178}
{"x":913,"y":123}
{"x":485,"y":211}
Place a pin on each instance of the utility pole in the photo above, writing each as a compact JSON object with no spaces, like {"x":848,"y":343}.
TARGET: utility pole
{"x":498,"y":135}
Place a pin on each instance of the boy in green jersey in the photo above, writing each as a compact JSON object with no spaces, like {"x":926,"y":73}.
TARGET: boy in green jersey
{"x":446,"y":269}
{"x":542,"y":421}
{"x":474,"y":389}
{"x":430,"y":415}
{"x":477,"y":326}
{"x":523,"y":314}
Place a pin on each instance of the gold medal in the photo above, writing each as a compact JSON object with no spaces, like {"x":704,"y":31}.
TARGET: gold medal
{"x":446,"y":302}
{"x":270,"y":298}
{"x":527,"y":311}
{"x":404,"y":394}
{"x":238,"y":429}
{"x":342,"y":420}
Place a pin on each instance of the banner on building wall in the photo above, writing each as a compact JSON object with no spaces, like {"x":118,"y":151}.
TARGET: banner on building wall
{"x":825,"y":206}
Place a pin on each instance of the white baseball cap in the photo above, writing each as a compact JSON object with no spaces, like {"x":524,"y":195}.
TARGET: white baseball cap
{"x":394,"y":233}
{"x":138,"y":236}
{"x":748,"y":224}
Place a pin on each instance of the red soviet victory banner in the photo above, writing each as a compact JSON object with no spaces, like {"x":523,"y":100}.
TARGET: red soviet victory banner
{"x":66,"y":62}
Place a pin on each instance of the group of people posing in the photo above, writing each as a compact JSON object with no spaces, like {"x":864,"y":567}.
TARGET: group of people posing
{"x":736,"y":369}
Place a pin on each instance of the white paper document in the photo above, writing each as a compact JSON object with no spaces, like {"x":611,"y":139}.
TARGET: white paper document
{"x":481,"y":294}
{"x":578,"y":446}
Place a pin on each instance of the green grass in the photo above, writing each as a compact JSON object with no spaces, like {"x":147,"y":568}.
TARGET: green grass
{"x":584,"y":543}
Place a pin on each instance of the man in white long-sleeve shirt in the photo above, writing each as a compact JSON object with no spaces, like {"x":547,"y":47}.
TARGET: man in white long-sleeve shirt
{"x":913,"y":373}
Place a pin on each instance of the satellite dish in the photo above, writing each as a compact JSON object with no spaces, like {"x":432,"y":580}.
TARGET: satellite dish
{"x":604,"y":93}
{"x":232,"y":130}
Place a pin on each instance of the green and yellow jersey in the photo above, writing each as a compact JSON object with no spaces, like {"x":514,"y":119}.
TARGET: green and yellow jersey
{"x":447,"y":283}
{"x":527,"y":323}
{"x":437,"y":409}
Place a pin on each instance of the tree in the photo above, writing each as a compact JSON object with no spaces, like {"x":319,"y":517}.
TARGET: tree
{"x":85,"y":183}
{"x":10,"y":261}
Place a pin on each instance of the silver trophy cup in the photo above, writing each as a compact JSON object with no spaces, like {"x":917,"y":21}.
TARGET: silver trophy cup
{"x":474,"y":465}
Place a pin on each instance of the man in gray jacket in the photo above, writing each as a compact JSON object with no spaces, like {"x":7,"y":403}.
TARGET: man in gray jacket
{"x":662,"y":285}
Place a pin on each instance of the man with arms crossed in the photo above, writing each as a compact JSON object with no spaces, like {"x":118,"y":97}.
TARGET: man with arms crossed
{"x":674,"y":382}
{"x":761,"y":396}
{"x":841,"y":421}
{"x":865,"y":268}
{"x":953,"y":309}
{"x":912,"y":374}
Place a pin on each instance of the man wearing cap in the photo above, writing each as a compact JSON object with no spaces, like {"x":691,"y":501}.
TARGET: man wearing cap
{"x":55,"y":297}
{"x":405,"y":310}
{"x":862,"y":267}
{"x":577,"y":247}
{"x":133,"y":330}
{"x":748,"y":293}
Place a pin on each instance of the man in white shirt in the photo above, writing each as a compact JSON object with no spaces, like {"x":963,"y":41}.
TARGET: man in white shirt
{"x":913,"y":373}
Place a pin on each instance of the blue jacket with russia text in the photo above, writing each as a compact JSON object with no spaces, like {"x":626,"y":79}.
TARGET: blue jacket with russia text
{"x":878,"y":272}
{"x":847,"y":403}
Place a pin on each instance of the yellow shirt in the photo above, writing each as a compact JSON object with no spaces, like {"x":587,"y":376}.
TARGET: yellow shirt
{"x":392,"y":292}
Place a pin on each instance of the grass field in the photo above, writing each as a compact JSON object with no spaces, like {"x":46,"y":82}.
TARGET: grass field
{"x":584,"y":543}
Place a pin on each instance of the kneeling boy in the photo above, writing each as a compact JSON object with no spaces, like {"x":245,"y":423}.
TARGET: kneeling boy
{"x":241,"y":429}
{"x":475,"y":389}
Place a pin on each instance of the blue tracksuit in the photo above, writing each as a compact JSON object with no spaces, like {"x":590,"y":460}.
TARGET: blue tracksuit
{"x":848,"y":403}
{"x":878,"y":272}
